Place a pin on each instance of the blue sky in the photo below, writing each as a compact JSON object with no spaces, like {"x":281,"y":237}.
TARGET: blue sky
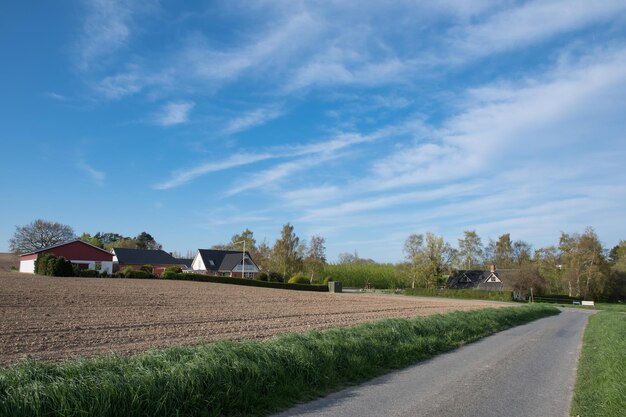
{"x":360,"y":121}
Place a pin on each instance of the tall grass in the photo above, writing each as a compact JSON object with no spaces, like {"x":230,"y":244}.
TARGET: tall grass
{"x":242,"y":378}
{"x":382,"y":276}
{"x":601,"y":383}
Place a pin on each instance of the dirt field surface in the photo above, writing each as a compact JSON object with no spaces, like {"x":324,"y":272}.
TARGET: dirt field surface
{"x":8,"y":261}
{"x":57,"y":318}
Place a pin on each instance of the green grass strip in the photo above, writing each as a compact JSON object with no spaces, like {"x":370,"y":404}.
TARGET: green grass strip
{"x":242,"y":378}
{"x":463,"y":294}
{"x":601,"y":382}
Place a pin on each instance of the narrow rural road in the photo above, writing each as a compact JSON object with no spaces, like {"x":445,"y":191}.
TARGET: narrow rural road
{"x":528,"y":370}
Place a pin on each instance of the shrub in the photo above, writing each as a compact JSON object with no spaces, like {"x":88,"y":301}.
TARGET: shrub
{"x":174,"y":269}
{"x":275,"y":277}
{"x":129,"y":272}
{"x":41,"y":263}
{"x":148,"y":268}
{"x":299,"y":279}
{"x":262,"y":277}
{"x":60,"y":267}
{"x":89,"y":273}
{"x":139,"y":274}
{"x":168,"y":275}
{"x":327,"y":280}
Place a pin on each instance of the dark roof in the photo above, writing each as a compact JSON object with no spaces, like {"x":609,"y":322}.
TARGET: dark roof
{"x":185,"y":261}
{"x":145,"y":257}
{"x":223,"y":260}
{"x":478,"y":280}
{"x":63,"y":244}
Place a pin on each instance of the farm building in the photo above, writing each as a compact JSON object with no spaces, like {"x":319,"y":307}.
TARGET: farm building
{"x":517,"y":280}
{"x":136,"y":258}
{"x":80,"y":253}
{"x":225,"y":263}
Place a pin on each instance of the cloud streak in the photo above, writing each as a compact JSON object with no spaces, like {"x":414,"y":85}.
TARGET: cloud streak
{"x":175,"y":113}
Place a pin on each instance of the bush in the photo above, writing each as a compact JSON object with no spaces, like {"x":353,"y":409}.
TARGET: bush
{"x":139,"y":274}
{"x":60,"y":267}
{"x":41,"y":263}
{"x":299,"y":279}
{"x":89,"y":273}
{"x":174,"y":269}
{"x":262,"y":277}
{"x":147,"y":268}
{"x":275,"y":277}
{"x":129,"y":272}
{"x":168,"y":275}
{"x":327,"y":280}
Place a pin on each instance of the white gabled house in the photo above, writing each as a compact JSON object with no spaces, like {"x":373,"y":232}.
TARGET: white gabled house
{"x":228,"y":263}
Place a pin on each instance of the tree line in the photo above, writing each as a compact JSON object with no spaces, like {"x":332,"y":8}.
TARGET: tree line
{"x":578,"y":266}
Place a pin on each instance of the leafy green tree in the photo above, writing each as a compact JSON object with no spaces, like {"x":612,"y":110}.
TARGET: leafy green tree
{"x":92,"y":240}
{"x":429,"y":257}
{"x":38,"y":235}
{"x":616,"y":285}
{"x":585,"y":269}
{"x":145,"y":241}
{"x":548,"y":264}
{"x":236,"y":242}
{"x":504,"y":252}
{"x":315,"y":256}
{"x":287,"y":253}
{"x":470,"y":250}
{"x":521,"y":253}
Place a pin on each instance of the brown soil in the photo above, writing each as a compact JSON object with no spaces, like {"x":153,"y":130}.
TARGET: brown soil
{"x":8,"y":261}
{"x":57,"y":318}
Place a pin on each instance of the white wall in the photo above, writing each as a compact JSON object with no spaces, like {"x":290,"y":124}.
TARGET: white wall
{"x":197,"y":264}
{"x":27,"y":266}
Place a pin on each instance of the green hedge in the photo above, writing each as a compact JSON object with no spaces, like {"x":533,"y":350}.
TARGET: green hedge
{"x":465,"y":294}
{"x":242,"y":378}
{"x":380,"y":276}
{"x":247,"y":282}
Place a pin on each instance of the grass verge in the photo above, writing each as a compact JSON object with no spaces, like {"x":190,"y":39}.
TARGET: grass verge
{"x":601,"y":382}
{"x":242,"y":378}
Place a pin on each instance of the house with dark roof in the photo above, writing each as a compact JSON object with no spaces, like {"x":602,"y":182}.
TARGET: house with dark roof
{"x":228,"y":263}
{"x":515,"y":280}
{"x":136,"y":258}
{"x":81,"y":254}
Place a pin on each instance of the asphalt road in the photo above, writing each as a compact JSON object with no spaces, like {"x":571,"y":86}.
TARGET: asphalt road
{"x":528,"y":370}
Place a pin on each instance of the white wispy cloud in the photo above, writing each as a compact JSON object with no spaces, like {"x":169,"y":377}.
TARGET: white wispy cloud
{"x":252,"y":119}
{"x":529,"y":23}
{"x":95,"y":175}
{"x":184,"y":176}
{"x":106,"y":29}
{"x":540,"y":115}
{"x":174,"y":113}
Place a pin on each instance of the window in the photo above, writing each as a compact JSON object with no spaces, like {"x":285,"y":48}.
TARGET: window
{"x":465,"y":278}
{"x":493,"y":278}
{"x":97,"y":266}
{"x":211,"y":262}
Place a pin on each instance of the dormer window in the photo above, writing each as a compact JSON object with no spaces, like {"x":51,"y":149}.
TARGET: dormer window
{"x":493,"y":278}
{"x":465,"y":278}
{"x":211,"y":262}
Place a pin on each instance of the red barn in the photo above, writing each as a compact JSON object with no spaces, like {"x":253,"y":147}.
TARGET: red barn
{"x":78,"y":252}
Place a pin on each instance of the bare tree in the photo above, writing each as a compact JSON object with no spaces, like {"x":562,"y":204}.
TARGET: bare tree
{"x":38,"y":235}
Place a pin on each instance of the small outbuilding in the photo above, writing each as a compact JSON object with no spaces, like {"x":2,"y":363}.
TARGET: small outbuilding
{"x":80,"y":253}
{"x":227,"y":263}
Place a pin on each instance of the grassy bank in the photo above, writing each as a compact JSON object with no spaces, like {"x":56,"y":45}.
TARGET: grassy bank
{"x":242,"y":378}
{"x":601,"y":383}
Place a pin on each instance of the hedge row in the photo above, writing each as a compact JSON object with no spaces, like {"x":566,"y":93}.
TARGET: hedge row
{"x":466,"y":294}
{"x":244,"y":281}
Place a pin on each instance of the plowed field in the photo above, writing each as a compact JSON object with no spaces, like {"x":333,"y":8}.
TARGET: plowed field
{"x":57,"y":318}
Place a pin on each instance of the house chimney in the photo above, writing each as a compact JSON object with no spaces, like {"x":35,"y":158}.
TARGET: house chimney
{"x":493,"y":268}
